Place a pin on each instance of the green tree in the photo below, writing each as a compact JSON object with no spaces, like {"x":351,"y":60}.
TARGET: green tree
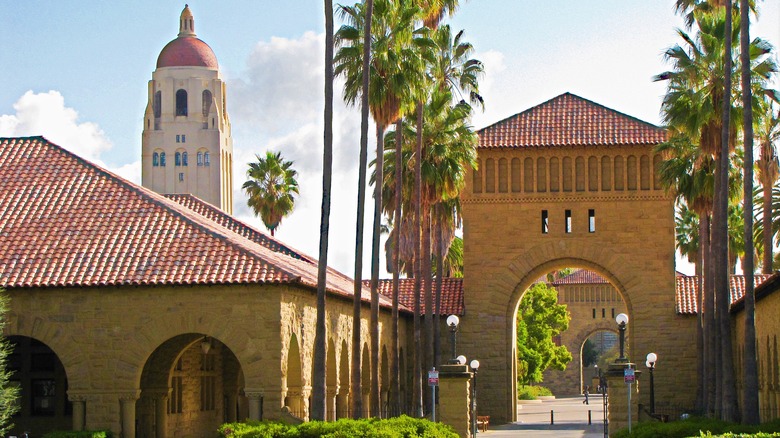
{"x":590,"y":354}
{"x":539,"y":319}
{"x":271,"y":188}
{"x":768,"y":169}
{"x":9,"y":395}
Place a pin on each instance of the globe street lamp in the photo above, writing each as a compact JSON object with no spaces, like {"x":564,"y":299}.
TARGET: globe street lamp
{"x":452,"y":322}
{"x":652,"y":358}
{"x":474,"y":366}
{"x":622,"y":320}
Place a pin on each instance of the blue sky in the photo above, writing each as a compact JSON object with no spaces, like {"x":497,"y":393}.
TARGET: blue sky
{"x":76,"y":72}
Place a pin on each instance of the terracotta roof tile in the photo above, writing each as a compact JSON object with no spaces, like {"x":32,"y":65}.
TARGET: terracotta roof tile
{"x":451,"y":294}
{"x":582,"y":276}
{"x":687,"y":287}
{"x":67,"y":222}
{"x":569,"y":120}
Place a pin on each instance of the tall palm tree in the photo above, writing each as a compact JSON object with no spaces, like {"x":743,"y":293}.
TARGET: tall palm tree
{"x":271,"y":188}
{"x":348,"y":40}
{"x":767,"y":134}
{"x":318,"y":407}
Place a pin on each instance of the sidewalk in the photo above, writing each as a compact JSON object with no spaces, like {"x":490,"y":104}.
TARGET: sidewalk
{"x":570,"y":415}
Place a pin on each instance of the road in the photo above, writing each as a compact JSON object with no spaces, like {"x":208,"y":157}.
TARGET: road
{"x":570,"y":420}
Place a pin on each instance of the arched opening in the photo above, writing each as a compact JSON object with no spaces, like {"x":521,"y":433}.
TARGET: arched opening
{"x":181,"y":102}
{"x":541,"y":175}
{"x":477,"y":177}
{"x":342,"y":399}
{"x":597,"y":351}
{"x":554,"y":175}
{"x":207,"y":99}
{"x":331,"y":382}
{"x":405,"y":379}
{"x":490,"y":175}
{"x":157,"y":105}
{"x":384,"y":388}
{"x":43,"y":385}
{"x":515,"y":175}
{"x":191,"y":383}
{"x":294,"y":399}
{"x":528,"y":175}
{"x":365,"y":375}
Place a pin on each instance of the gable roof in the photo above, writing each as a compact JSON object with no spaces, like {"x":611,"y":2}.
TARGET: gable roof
{"x":66,"y":222}
{"x":569,"y":120}
{"x":687,"y":288}
{"x":451,"y":294}
{"x":581,"y":276}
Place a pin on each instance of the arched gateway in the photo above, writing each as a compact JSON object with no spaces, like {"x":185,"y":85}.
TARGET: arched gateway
{"x":569,"y":183}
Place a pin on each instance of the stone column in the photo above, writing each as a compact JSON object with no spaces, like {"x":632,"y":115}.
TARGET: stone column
{"x":618,"y":397}
{"x":255,"y":397}
{"x":455,"y":398}
{"x":161,"y":414}
{"x":79,"y":410}
{"x":127,"y":405}
{"x":330,"y":403}
{"x":342,"y":403}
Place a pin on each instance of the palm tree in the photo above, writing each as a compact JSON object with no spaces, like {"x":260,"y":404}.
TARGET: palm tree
{"x":768,"y":132}
{"x":318,"y":407}
{"x":348,"y":40}
{"x":271,"y":188}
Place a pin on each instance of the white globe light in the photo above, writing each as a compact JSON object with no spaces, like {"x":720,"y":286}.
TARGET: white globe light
{"x":474,"y":364}
{"x":462,"y":359}
{"x":648,"y":364}
{"x":622,"y":318}
{"x":453,"y":320}
{"x":652,"y":357}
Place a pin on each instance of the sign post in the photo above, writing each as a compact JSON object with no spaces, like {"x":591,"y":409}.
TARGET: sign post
{"x":629,"y":377}
{"x":433,"y":382}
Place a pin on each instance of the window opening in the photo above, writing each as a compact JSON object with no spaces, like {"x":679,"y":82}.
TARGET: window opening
{"x":178,"y":138}
{"x":591,"y":221}
{"x":545,"y":222}
{"x":155,"y":159}
{"x":594,"y":313}
{"x":184,"y":160}
{"x":181,"y":177}
{"x":181,"y":103}
{"x":183,"y":138}
{"x":603,"y":312}
{"x":177,"y":159}
{"x":200,"y":158}
{"x":613,"y":312}
{"x":206,"y":159}
{"x":162,"y":159}
{"x":568,"y":221}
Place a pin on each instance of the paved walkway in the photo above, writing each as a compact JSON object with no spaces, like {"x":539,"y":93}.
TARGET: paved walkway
{"x":570,"y":420}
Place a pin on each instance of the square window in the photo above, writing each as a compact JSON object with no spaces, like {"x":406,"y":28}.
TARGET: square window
{"x":181,"y":177}
{"x":183,"y":139}
{"x":178,"y":138}
{"x":568,"y":221}
{"x":591,"y":221}
{"x":545,"y":223}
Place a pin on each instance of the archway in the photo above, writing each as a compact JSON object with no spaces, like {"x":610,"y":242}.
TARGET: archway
{"x":191,"y":383}
{"x":294,"y":378}
{"x":384,"y":387}
{"x":597,"y":351}
{"x":43,"y":385}
{"x":331,"y":382}
{"x":365,"y":376}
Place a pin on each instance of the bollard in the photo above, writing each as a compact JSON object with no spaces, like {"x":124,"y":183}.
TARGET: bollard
{"x":589,"y":418}
{"x":552,"y":417}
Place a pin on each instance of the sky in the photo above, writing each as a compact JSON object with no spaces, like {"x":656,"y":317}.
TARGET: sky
{"x":77,"y":73}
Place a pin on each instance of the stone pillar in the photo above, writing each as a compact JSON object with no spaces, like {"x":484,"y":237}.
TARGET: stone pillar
{"x":161,"y":414}
{"x":330,"y":403}
{"x":455,"y":398}
{"x":255,"y":412}
{"x":618,"y":397}
{"x":127,"y":405}
{"x":79,"y":410}
{"x":342,"y":403}
{"x":366,"y":401}
{"x":232,"y":405}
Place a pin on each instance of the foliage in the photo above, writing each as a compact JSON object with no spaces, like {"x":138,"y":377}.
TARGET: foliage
{"x":531,"y":392}
{"x":9,"y":395}
{"x":590,"y":354}
{"x":696,"y":427}
{"x":539,"y":319}
{"x":80,"y":434}
{"x":401,"y":427}
{"x":271,"y":187}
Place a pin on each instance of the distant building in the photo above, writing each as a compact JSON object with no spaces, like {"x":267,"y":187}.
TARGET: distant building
{"x":186,"y":142}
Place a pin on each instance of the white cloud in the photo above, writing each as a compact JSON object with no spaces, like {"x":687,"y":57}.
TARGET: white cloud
{"x":130,"y":171}
{"x":46,"y":114}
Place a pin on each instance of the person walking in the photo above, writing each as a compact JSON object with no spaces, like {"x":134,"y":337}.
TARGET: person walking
{"x":587,"y":388}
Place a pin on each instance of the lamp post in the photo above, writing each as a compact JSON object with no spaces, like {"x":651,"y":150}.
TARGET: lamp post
{"x":652,"y":358}
{"x":622,"y":320}
{"x":474,"y":366}
{"x":452,"y":322}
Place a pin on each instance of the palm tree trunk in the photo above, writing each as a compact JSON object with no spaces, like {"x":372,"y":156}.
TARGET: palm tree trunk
{"x":418,"y":363}
{"x":356,"y":398}
{"x":378,"y":169}
{"x":395,"y":391}
{"x":750,"y":371}
{"x":709,"y":328}
{"x":318,"y":407}
{"x":701,"y":367}
{"x":426,"y":275}
{"x":730,"y":411}
{"x":439,"y":275}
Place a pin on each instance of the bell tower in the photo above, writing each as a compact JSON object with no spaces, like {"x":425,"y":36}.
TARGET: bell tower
{"x":186,"y":143}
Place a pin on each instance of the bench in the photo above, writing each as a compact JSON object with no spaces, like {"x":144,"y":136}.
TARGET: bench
{"x":483,"y":421}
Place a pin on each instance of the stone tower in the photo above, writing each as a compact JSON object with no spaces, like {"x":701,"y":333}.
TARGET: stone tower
{"x":186,"y":143}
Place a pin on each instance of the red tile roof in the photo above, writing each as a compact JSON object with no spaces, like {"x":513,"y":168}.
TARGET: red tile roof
{"x":67,"y":222}
{"x":569,"y":120}
{"x":582,"y":276}
{"x":451,"y":294}
{"x":687,"y":287}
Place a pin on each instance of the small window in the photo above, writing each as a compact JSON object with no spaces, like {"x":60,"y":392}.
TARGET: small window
{"x":184,"y":160}
{"x":181,"y":176}
{"x":545,"y":222}
{"x":178,"y":138}
{"x":181,"y":103}
{"x":43,"y":394}
{"x":206,"y":159}
{"x":591,"y":221}
{"x":155,"y":159}
{"x":568,"y":221}
{"x":603,"y":312}
{"x":594,"y":313}
{"x":177,"y":159}
{"x":183,"y":138}
{"x":200,"y":158}
{"x":162,"y":159}
{"x":613,"y":313}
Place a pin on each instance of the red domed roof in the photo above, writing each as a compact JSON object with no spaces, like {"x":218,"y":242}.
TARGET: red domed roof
{"x":187,"y":51}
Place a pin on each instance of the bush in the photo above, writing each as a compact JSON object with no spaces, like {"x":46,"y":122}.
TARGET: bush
{"x":531,"y":392}
{"x":80,"y":434}
{"x":400,"y":427}
{"x":696,"y":427}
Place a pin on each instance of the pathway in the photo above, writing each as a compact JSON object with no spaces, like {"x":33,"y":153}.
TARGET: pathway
{"x":570,"y":415}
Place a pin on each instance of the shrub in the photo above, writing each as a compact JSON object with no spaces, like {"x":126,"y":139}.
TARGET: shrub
{"x":531,"y":392}
{"x":80,"y":434}
{"x":400,"y":427}
{"x":696,"y":427}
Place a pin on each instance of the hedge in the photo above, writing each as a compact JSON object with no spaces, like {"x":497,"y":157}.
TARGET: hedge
{"x":400,"y":427}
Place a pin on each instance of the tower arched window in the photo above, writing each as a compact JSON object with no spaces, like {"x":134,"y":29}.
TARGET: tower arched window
{"x":181,"y":102}
{"x":206,"y":102}
{"x":184,"y":160}
{"x":177,"y":159}
{"x":206,"y":159}
{"x":155,"y":159}
{"x":157,"y":104}
{"x":162,"y":159}
{"x":200,"y":158}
